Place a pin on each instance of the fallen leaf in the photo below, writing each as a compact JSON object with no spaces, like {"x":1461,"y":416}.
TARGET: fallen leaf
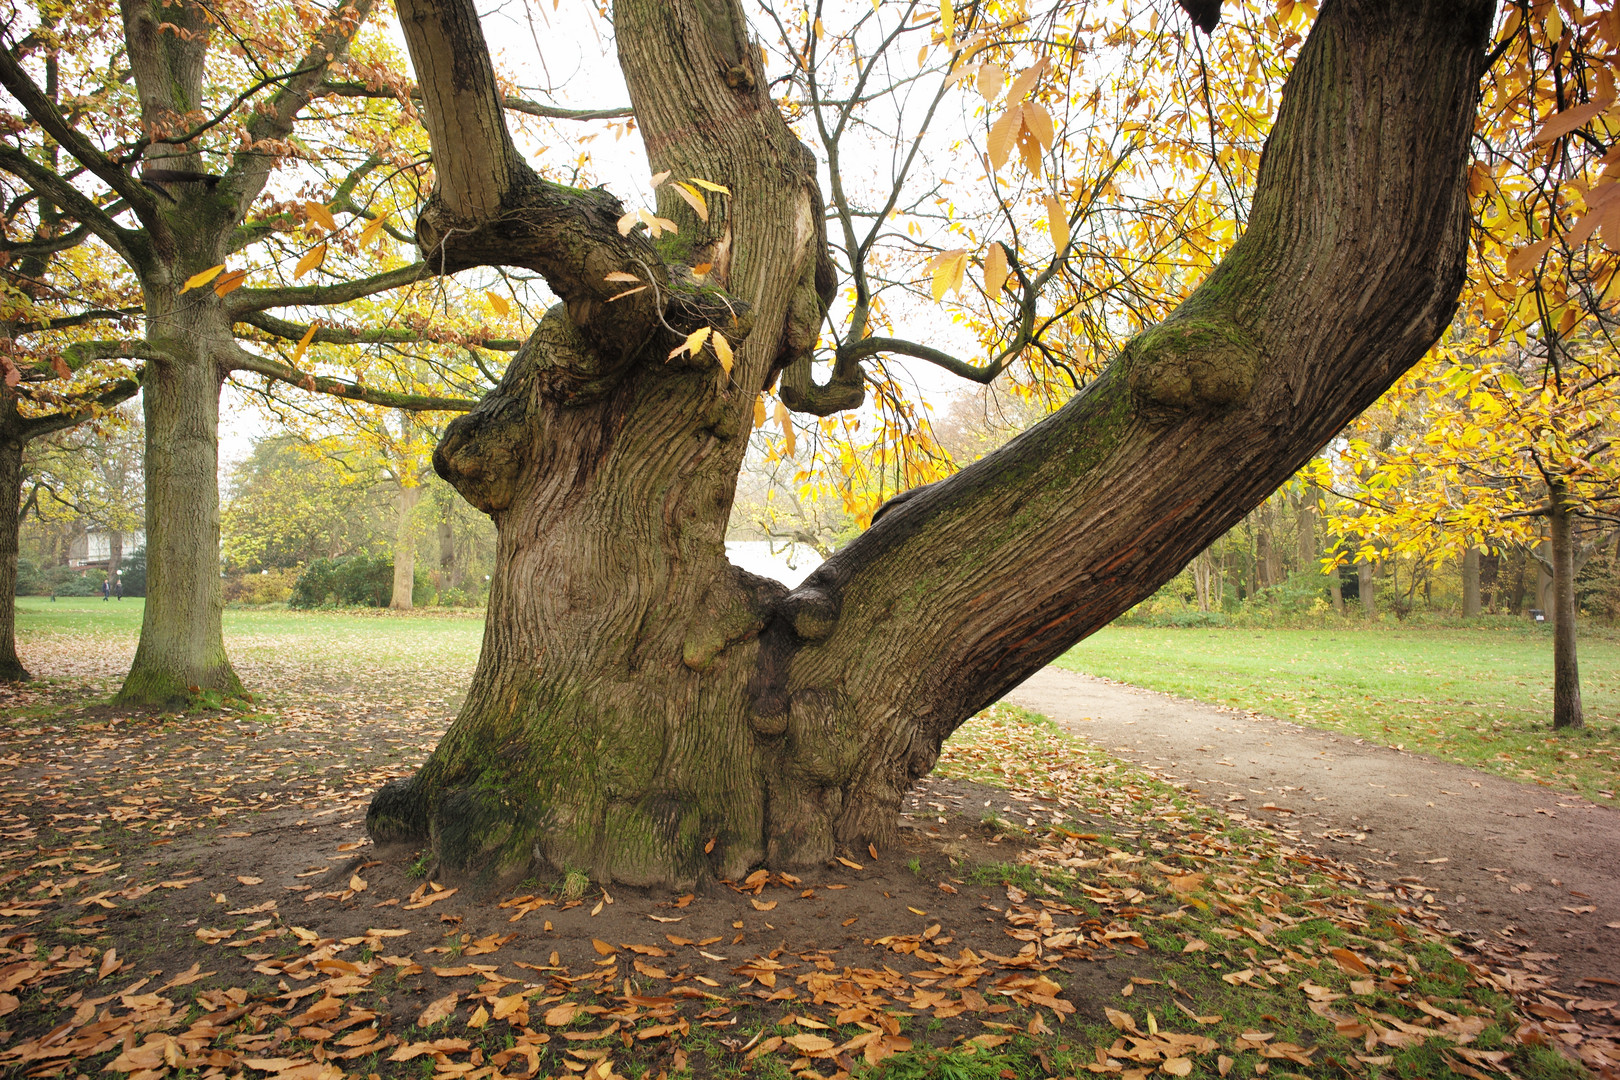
{"x":437,"y":1011}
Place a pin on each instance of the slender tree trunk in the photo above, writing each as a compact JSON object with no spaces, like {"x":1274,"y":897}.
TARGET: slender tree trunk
{"x":1566,"y":669}
{"x":11,"y":460}
{"x":1470,"y":583}
{"x":449,"y":575}
{"x":1490,"y":576}
{"x":1544,"y":576}
{"x":1309,"y":563}
{"x":1201,"y":578}
{"x":1336,"y":590}
{"x":182,"y":645}
{"x":405,"y":548}
{"x":647,"y":712}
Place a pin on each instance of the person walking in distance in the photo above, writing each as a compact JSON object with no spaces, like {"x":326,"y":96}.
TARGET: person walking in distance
{"x":106,"y":590}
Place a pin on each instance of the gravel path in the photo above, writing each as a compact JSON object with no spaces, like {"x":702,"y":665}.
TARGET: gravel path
{"x":1506,"y":863}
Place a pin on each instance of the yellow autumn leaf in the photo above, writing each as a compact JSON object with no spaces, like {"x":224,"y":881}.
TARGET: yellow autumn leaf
{"x":202,"y":278}
{"x":1057,"y":219}
{"x":990,"y":81}
{"x":947,"y":19}
{"x":695,"y":340}
{"x":722,"y":352}
{"x":1004,"y":135}
{"x":321,"y":216}
{"x":498,"y":303}
{"x":659,"y":178}
{"x":303,"y":343}
{"x":628,"y":222}
{"x":784,"y":420}
{"x":230,"y":282}
{"x":948,"y":268}
{"x":709,"y":186}
{"x":620,"y":275}
{"x":373,"y":231}
{"x":312,"y":260}
{"x":759,"y":422}
{"x":821,"y":31}
{"x":996,"y":270}
{"x":693,"y":197}
{"x":1025,"y":82}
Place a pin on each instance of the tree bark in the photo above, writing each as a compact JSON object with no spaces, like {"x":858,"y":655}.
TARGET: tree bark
{"x":649,"y":713}
{"x":1201,"y":579}
{"x":1367,"y":587}
{"x":1470,"y":583}
{"x":11,"y":463}
{"x":1566,"y":669}
{"x":182,"y":644}
{"x":449,"y":572}
{"x":405,"y":548}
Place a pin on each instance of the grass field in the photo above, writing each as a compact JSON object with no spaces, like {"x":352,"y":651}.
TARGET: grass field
{"x":1482,"y":697}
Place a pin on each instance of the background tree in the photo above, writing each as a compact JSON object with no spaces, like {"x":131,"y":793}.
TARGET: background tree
{"x":215,"y":155}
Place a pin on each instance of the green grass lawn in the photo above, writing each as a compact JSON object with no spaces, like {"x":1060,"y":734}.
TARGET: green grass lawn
{"x":438,"y":646}
{"x":1482,"y":697}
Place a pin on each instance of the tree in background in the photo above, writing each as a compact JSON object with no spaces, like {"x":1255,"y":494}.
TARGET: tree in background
{"x":204,"y":159}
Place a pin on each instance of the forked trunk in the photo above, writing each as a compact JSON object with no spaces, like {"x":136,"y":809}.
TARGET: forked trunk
{"x":1566,"y":669}
{"x":646,"y":712}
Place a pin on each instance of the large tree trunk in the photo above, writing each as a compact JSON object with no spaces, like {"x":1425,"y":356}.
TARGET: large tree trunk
{"x":1470,"y":583}
{"x":1566,"y":669}
{"x":649,"y":713}
{"x":182,"y":645}
{"x":405,"y":548}
{"x":11,"y":461}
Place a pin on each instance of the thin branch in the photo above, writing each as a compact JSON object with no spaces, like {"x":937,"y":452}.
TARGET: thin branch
{"x":244,"y":301}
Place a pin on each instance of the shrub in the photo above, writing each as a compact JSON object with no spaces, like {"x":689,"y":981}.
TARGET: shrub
{"x":30,"y":581}
{"x":267,"y":587}
{"x":356,"y":580}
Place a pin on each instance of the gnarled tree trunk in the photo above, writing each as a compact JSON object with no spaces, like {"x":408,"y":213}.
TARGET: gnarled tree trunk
{"x":645,"y":711}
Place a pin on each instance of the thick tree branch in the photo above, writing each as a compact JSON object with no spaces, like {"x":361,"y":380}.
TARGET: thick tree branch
{"x":334,"y":335}
{"x":243,"y":301}
{"x":250,"y":169}
{"x":81,"y":353}
{"x":130,"y":245}
{"x":46,"y":114}
{"x":1348,"y":272}
{"x":510,"y":102}
{"x":35,"y":426}
{"x":242,"y":360}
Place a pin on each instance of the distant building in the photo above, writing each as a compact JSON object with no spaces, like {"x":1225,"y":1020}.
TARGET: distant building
{"x":94,"y":550}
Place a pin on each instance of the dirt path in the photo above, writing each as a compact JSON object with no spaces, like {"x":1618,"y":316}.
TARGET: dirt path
{"x":1511,"y":863}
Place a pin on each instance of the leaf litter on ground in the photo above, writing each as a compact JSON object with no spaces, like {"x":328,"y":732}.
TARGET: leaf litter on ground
{"x":1074,"y":916}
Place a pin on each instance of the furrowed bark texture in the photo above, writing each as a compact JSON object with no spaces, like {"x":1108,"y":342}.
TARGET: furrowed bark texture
{"x":644,"y":711}
{"x":182,"y":645}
